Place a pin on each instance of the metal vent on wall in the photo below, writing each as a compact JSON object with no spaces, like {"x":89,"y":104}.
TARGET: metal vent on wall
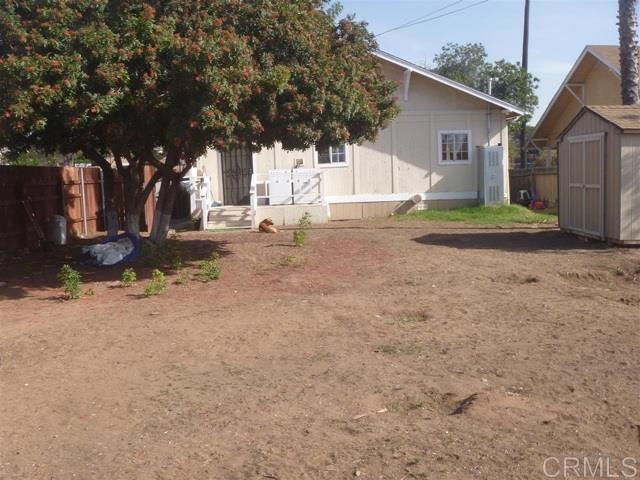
{"x":491,"y":175}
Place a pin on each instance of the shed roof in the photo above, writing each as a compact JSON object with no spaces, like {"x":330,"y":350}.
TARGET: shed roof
{"x":625,"y":117}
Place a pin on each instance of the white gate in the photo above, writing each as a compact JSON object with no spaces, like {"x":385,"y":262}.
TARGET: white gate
{"x":586,"y":171}
{"x":306,"y":186}
{"x":280,"y":187}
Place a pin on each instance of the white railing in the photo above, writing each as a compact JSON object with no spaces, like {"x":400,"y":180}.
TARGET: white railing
{"x":201,"y":199}
{"x":286,"y":187}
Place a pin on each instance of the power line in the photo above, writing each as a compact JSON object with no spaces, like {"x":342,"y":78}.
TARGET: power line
{"x":410,"y":22}
{"x":418,"y":22}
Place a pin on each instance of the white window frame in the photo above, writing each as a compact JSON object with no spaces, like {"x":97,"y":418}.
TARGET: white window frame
{"x":332,"y":165}
{"x":454,"y":162}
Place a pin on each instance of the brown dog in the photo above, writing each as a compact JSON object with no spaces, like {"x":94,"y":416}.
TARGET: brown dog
{"x":266,"y":226}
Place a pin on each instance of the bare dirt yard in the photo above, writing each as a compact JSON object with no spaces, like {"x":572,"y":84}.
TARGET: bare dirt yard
{"x":344,"y":358}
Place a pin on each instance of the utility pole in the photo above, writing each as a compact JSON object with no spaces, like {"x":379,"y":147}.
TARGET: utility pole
{"x":525,"y":67}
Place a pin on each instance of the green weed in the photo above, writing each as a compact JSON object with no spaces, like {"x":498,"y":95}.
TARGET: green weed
{"x":70,"y":280}
{"x":503,"y":214}
{"x":210,"y":268}
{"x":300,"y":234}
{"x":129,"y":277}
{"x":157,"y":285}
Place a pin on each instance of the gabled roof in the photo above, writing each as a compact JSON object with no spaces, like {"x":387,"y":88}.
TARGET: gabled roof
{"x":625,"y":117}
{"x":608,"y":55}
{"x":451,"y":83}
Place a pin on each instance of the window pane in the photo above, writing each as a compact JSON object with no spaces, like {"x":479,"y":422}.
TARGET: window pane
{"x":462,"y":147}
{"x":447,"y":147}
{"x":324,"y":156}
{"x":338,"y":154}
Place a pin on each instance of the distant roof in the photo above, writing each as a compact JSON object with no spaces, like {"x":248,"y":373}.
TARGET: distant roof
{"x":447,"y":81}
{"x":625,"y":117}
{"x":607,"y":54}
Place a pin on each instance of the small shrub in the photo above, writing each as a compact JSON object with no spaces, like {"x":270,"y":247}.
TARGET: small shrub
{"x":182,"y":279}
{"x":210,"y":268}
{"x":305,"y":221}
{"x":128,"y":277}
{"x":157,"y":285}
{"x":168,"y":254}
{"x":300,"y":234}
{"x":70,"y":280}
{"x":299,"y":237}
{"x":290,"y":261}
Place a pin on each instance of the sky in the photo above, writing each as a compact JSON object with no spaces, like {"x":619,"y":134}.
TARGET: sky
{"x":559,"y":31}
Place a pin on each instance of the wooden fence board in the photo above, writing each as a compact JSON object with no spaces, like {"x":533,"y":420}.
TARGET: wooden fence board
{"x":543,"y":181}
{"x":58,"y":191}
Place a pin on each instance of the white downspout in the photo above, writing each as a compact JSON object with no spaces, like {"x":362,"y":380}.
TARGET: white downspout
{"x":489,"y":114}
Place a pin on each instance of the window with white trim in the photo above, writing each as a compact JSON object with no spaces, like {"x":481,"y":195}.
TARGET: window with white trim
{"x":332,"y":156}
{"x":454,"y":147}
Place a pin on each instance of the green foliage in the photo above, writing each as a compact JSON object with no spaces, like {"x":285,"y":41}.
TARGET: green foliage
{"x":467,"y":64}
{"x":168,"y":254}
{"x":464,"y":63}
{"x":291,"y":261}
{"x":70,"y":280}
{"x":84,"y":76}
{"x":300,"y":234}
{"x":129,"y":277}
{"x":504,"y":214}
{"x":157,"y":285}
{"x":30,"y":158}
{"x":210,"y":268}
{"x":182,"y":278}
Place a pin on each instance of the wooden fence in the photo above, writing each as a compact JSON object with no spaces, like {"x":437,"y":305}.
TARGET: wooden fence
{"x":539,"y":182}
{"x":74,"y":192}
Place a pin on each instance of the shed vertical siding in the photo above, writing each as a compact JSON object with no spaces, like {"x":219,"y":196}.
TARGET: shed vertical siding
{"x":630,"y":188}
{"x":587,"y":124}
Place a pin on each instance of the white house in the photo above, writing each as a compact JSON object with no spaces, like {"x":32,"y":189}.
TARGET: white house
{"x":432,"y":149}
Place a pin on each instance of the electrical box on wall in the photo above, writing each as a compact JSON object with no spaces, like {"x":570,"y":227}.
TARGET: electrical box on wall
{"x":491,"y":175}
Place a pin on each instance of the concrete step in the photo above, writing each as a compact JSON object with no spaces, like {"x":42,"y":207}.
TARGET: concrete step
{"x":229,"y":217}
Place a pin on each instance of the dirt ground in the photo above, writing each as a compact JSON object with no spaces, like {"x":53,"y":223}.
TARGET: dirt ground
{"x":345,"y":358}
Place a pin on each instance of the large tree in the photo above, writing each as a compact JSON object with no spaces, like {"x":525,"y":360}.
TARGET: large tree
{"x":160,"y":82}
{"x":628,"y":32}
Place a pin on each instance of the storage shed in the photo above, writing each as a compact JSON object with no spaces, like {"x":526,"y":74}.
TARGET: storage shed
{"x":599,"y":174}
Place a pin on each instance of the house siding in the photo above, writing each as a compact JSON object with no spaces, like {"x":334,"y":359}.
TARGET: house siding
{"x":404,"y":157}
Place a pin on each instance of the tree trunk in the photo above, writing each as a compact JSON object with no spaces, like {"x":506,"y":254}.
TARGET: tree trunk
{"x":132,"y":190}
{"x":628,"y":31}
{"x":164,"y":209}
{"x":110,"y":211}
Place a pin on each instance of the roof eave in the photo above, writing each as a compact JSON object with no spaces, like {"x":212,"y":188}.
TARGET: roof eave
{"x":586,"y":50}
{"x":451,"y":83}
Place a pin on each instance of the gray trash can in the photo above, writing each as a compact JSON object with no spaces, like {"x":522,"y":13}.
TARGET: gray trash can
{"x":57,"y":230}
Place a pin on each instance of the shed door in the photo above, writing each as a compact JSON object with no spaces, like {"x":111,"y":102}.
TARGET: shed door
{"x":586,"y":167}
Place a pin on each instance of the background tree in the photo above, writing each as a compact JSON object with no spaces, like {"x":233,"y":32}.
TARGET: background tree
{"x":464,"y":63}
{"x":468,"y":64}
{"x":628,"y":31}
{"x":160,"y":82}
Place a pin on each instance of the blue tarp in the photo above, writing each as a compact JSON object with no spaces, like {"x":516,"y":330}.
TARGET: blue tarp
{"x":118,"y":250}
